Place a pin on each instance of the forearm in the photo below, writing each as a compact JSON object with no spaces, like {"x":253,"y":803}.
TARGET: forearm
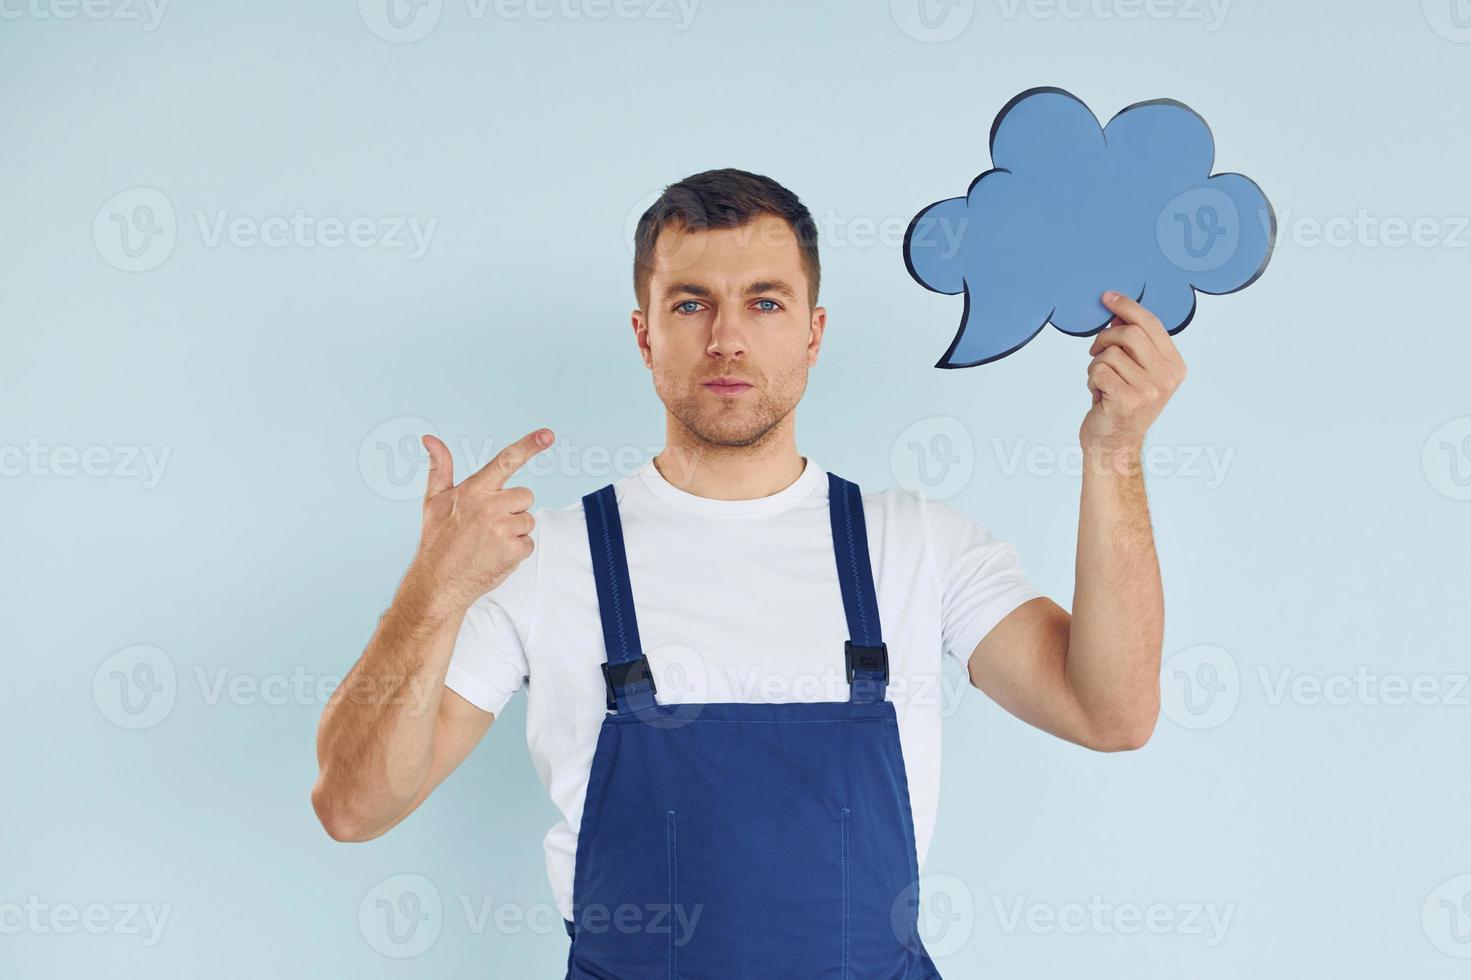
{"x":1117,"y":624}
{"x":375,"y":742}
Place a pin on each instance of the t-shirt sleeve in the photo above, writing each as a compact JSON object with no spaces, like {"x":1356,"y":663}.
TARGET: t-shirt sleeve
{"x":981,"y":580}
{"x":489,"y":663}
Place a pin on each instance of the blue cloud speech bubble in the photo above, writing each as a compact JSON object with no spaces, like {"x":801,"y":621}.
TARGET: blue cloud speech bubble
{"x":1071,"y":208}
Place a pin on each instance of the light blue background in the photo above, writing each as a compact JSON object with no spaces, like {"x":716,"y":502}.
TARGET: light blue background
{"x":1331,"y":542}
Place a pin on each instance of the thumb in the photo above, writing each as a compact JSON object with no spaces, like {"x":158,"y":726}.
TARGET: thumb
{"x":441,"y":468}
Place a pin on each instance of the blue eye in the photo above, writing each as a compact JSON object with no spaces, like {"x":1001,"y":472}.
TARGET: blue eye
{"x":774,"y":307}
{"x":681,"y":307}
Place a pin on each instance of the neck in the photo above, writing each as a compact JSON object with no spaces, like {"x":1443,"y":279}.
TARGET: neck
{"x":721,"y":472}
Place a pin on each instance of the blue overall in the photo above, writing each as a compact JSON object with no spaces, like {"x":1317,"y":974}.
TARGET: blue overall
{"x":734,"y":841}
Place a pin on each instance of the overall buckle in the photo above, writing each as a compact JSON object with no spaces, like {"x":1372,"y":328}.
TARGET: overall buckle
{"x":624,"y":675}
{"x":869,"y":659}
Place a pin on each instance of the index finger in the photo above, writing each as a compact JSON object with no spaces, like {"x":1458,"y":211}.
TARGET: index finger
{"x":494,"y":474}
{"x":1131,"y":311}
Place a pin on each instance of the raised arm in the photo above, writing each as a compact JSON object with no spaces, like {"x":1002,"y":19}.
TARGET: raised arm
{"x":392,"y":731}
{"x":1092,"y":677}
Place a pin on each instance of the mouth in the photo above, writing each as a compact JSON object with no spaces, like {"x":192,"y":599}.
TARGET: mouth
{"x":727,"y":386}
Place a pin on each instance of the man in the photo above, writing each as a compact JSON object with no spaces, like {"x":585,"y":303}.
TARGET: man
{"x":730,"y":657}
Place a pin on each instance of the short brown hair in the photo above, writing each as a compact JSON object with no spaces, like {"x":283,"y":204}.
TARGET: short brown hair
{"x":725,"y":198}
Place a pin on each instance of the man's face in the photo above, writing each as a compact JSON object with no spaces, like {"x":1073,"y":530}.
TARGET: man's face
{"x":729,"y":303}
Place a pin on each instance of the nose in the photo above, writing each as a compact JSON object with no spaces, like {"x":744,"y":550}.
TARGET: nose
{"x":726,"y":336}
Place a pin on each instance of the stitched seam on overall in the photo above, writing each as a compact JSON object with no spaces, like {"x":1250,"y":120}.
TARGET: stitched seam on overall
{"x":673,"y":865}
{"x":853,"y":561}
{"x":763,"y":721}
{"x":617,"y":594}
{"x":845,"y":892}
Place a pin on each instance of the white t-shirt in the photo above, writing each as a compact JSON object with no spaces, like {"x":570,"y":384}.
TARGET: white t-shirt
{"x":736,"y":600}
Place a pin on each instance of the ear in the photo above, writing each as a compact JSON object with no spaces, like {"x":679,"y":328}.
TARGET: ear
{"x":814,"y":336}
{"x":640,"y":326}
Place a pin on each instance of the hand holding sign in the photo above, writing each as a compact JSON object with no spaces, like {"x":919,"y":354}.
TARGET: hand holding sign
{"x":1135,"y":370}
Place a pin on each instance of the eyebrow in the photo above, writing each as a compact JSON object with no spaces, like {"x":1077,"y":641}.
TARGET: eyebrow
{"x":704,"y":292}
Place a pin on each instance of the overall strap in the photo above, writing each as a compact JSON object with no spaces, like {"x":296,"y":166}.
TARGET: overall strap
{"x":626,"y":673}
{"x":866,"y":655}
